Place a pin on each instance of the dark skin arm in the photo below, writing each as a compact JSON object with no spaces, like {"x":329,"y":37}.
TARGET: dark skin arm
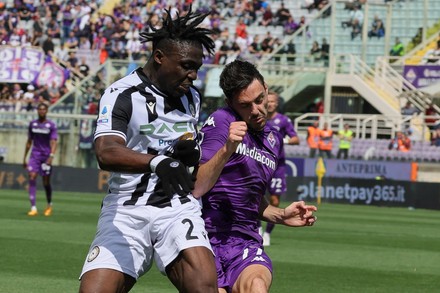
{"x":113,"y":155}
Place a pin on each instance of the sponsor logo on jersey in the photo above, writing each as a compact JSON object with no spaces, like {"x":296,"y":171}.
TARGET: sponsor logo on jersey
{"x":104,"y":115}
{"x":210,"y":121}
{"x":166,"y":128}
{"x":41,"y":130}
{"x":151,"y":106}
{"x":256,"y":154}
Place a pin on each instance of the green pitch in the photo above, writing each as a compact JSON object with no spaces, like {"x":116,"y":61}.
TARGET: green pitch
{"x":350,"y":249}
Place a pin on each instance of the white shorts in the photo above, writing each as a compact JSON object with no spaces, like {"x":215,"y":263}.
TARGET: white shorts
{"x":128,"y":237}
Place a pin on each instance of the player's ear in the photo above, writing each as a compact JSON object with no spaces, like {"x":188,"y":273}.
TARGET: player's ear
{"x":158,"y":56}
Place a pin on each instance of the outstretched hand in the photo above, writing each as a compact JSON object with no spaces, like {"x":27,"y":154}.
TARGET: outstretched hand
{"x":298,"y":214}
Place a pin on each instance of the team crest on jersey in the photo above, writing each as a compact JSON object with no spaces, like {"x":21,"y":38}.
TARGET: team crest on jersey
{"x":93,"y":254}
{"x":104,"y":114}
{"x":271,"y":139}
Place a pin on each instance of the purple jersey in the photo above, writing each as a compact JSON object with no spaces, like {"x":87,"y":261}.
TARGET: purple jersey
{"x":41,"y":133}
{"x":232,"y":204}
{"x":283,"y":125}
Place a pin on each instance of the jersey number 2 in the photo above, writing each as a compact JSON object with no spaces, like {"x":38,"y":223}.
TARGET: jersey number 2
{"x":190,"y":229}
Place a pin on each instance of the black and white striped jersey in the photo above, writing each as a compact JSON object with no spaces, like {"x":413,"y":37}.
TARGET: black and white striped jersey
{"x":140,"y":113}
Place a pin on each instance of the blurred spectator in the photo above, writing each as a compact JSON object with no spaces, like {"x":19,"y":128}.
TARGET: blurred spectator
{"x":345,"y":138}
{"x":83,"y":67}
{"x":281,"y":15}
{"x":53,"y":30}
{"x":356,"y":28}
{"x":255,"y":47}
{"x":84,"y":43}
{"x":29,"y":97}
{"x":315,"y":51}
{"x":397,"y":49}
{"x":325,"y":51}
{"x":267,"y":17}
{"x":290,"y":26}
{"x":314,"y":4}
{"x":409,"y":109}
{"x":377,"y":28}
{"x":71,"y":41}
{"x":432,"y":116}
{"x":400,"y":143}
{"x":417,"y":39}
{"x":221,"y":55}
{"x":67,"y":21}
{"x":433,"y":55}
{"x":313,"y":138}
{"x":290,"y":50}
{"x":435,"y":137}
{"x":241,"y":29}
{"x":48,"y":46}
{"x":325,"y":143}
{"x":356,"y":16}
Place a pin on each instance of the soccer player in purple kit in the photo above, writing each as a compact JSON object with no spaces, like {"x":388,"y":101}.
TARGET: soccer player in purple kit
{"x":278,"y":184}
{"x":239,"y":156}
{"x":42,"y":137}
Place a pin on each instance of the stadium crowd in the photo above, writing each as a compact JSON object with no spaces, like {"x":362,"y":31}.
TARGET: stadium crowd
{"x":62,"y":28}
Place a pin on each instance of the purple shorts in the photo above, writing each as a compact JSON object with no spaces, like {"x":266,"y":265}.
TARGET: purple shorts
{"x":278,"y":185}
{"x":37,"y":164}
{"x":234,"y":251}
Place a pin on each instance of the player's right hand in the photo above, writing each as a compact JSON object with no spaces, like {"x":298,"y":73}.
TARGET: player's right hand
{"x":173,"y":175}
{"x":237,"y":131}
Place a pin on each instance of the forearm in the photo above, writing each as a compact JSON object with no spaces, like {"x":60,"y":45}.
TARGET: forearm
{"x":26,"y":150}
{"x":294,"y":140}
{"x":53,"y":147}
{"x":271,"y":214}
{"x":209,"y":172}
{"x":114,"y":156}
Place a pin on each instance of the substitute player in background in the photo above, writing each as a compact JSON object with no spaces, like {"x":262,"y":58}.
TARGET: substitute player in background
{"x":278,"y":184}
{"x":42,"y":137}
{"x":239,"y":156}
{"x":145,"y":136}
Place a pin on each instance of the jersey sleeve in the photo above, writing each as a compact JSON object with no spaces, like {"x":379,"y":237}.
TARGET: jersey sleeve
{"x":214,"y":134}
{"x":290,"y":131}
{"x":53,"y":132}
{"x":115,"y":109}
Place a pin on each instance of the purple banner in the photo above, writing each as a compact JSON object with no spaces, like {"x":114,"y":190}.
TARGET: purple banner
{"x":51,"y":74}
{"x":422,"y":75}
{"x":295,"y":167}
{"x":20,"y":64}
{"x":361,"y":169}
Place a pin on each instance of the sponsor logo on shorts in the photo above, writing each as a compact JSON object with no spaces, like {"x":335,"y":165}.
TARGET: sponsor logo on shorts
{"x":93,"y":254}
{"x":259,"y":258}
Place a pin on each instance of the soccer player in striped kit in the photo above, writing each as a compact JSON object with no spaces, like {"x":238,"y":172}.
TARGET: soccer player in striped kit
{"x":145,"y":135}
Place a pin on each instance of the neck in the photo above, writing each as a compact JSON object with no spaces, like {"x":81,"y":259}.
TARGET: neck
{"x":271,"y":115}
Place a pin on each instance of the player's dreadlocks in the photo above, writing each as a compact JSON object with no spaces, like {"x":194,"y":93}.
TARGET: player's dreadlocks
{"x":183,"y":28}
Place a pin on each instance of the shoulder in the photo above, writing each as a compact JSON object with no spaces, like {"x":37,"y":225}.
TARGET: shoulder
{"x":222,"y":116}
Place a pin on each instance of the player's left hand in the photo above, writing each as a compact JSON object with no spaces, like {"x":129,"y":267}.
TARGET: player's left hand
{"x":298,"y":214}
